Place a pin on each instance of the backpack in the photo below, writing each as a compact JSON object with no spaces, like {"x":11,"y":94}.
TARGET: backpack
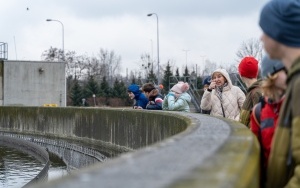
{"x":257,"y":110}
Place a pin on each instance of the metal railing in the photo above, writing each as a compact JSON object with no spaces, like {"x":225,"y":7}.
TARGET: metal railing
{"x":192,"y":91}
{"x":3,"y":51}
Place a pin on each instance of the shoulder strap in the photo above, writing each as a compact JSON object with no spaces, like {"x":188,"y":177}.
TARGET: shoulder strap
{"x":257,"y":111}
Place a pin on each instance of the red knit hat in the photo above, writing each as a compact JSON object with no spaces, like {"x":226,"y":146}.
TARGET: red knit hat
{"x":248,"y":67}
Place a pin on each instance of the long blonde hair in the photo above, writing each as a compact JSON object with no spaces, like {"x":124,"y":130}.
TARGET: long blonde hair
{"x":269,"y":88}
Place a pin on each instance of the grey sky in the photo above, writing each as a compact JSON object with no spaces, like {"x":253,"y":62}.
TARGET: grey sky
{"x":211,"y":29}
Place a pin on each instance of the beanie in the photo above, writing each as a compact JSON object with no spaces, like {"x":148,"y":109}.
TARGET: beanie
{"x":135,"y":89}
{"x":270,"y":66}
{"x":206,"y":81}
{"x":180,"y":87}
{"x":280,"y":20}
{"x":248,"y":67}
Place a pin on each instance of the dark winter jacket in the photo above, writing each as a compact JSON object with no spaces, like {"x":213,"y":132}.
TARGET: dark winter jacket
{"x":140,"y":98}
{"x":252,"y":97}
{"x":155,"y":100}
{"x":284,"y":161}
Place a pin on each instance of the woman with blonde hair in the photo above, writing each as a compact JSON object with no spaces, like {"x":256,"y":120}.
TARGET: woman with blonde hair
{"x":221,"y":97}
{"x":265,"y":114}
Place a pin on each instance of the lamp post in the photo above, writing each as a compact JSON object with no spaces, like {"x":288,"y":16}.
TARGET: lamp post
{"x":186,"y":51}
{"x":158,"y":76}
{"x":63,"y":48}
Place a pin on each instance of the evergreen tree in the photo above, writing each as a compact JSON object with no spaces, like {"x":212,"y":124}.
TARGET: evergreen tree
{"x":151,"y":77}
{"x":199,"y":82}
{"x":168,"y":78}
{"x":133,"y":80}
{"x":91,"y":88}
{"x":76,"y":94}
{"x":104,"y":88}
{"x":186,"y":74}
{"x":177,"y":74}
{"x":119,"y":90}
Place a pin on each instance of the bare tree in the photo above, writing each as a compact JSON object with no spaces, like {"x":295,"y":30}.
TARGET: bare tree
{"x":252,"y":47}
{"x":110,"y":63}
{"x":52,"y":54}
{"x":209,"y":67}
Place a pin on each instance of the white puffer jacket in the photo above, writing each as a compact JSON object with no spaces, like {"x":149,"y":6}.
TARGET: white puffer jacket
{"x":232,"y":99}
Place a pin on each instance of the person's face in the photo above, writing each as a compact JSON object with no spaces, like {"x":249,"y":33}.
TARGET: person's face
{"x":280,"y":81}
{"x":177,"y":94}
{"x":219,"y":79}
{"x":271,"y":46}
{"x":131,"y":95}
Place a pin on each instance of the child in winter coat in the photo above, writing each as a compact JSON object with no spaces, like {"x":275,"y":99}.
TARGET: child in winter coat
{"x":154,"y":97}
{"x":178,"y":99}
{"x":136,"y":94}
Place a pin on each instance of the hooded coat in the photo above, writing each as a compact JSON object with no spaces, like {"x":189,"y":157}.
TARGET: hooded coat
{"x":232,"y":99}
{"x":140,"y":98}
{"x":177,"y":104}
{"x":155,"y":100}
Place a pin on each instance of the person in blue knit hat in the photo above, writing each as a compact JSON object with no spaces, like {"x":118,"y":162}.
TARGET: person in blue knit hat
{"x":136,"y":94}
{"x":206,"y":82}
{"x":280,"y":22}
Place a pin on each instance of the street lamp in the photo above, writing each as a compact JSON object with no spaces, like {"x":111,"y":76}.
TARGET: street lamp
{"x":158,"y":77}
{"x":186,"y":51}
{"x":63,"y":58}
{"x":63,"y":48}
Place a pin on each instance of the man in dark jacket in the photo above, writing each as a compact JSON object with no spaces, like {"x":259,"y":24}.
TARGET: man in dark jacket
{"x":248,"y":70}
{"x":280,"y":22}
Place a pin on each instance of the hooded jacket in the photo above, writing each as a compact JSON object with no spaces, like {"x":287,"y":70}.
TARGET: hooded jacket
{"x":232,"y":99}
{"x":140,"y":98}
{"x":177,"y":104}
{"x":155,"y":100}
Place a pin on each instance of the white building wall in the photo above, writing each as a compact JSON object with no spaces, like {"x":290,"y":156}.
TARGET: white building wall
{"x":34,"y":83}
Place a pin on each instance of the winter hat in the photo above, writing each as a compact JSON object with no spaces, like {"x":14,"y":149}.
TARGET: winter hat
{"x":180,"y":87}
{"x":206,"y":81}
{"x":135,"y":89}
{"x":248,"y":67}
{"x":270,"y":66}
{"x":280,"y":20}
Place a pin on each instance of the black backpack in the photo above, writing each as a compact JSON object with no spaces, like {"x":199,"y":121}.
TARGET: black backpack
{"x":257,"y":110}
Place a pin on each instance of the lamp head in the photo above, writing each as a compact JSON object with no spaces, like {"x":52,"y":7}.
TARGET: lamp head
{"x":150,"y":14}
{"x":48,"y":20}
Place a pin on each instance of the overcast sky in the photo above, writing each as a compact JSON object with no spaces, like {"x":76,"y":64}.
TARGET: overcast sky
{"x":190,"y":31}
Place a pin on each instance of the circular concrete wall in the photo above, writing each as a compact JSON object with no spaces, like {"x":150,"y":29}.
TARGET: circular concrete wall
{"x":166,"y":149}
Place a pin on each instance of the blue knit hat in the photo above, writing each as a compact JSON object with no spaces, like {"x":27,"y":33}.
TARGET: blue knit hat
{"x":280,"y":20}
{"x":135,"y":89}
{"x":270,"y":66}
{"x":206,"y":81}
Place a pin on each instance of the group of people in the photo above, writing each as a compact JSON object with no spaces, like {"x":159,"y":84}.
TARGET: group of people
{"x":270,"y":107}
{"x":148,"y":97}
